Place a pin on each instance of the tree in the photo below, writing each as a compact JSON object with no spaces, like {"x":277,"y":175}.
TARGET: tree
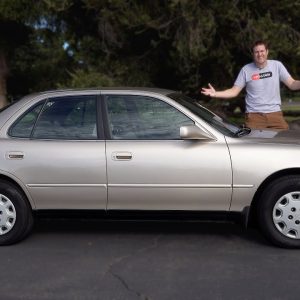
{"x":32,"y":57}
{"x":178,"y":44}
{"x":12,"y":35}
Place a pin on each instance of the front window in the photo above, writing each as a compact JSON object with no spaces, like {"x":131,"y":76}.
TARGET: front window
{"x":222,"y":125}
{"x":142,"y":117}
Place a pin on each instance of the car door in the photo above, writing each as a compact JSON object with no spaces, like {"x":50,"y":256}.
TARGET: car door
{"x":150,"y":168}
{"x":57,"y":151}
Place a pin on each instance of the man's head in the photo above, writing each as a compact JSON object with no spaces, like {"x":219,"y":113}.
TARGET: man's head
{"x":260,"y":53}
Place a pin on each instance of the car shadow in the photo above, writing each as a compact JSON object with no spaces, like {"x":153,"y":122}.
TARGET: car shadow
{"x":217,"y":229}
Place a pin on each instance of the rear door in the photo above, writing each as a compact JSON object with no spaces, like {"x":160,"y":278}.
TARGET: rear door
{"x":57,"y":150}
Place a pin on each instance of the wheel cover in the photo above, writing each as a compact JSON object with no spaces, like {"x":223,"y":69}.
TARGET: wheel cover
{"x":7,"y":215}
{"x":286,"y":215}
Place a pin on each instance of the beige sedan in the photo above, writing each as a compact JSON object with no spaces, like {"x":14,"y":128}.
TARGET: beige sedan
{"x":142,"y":150}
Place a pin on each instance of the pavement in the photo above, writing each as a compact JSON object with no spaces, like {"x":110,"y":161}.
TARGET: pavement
{"x":91,"y":259}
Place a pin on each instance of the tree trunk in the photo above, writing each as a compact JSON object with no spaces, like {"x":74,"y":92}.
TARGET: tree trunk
{"x":3,"y":75}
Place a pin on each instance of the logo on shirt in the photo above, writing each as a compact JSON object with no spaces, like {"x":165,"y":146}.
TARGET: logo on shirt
{"x":261,"y":75}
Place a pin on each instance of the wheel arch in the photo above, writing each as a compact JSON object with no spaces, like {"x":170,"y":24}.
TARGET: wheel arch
{"x":20,"y":187}
{"x":252,"y":218}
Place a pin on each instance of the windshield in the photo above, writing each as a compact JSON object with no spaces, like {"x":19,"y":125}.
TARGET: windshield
{"x":222,"y":125}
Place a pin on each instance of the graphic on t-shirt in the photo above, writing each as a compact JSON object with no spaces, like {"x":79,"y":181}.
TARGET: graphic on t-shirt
{"x":261,"y":75}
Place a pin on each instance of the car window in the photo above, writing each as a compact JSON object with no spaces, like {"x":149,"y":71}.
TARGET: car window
{"x":141,"y":117}
{"x":221,"y":124}
{"x":59,"y":118}
{"x":24,"y":125}
{"x":67,"y":118}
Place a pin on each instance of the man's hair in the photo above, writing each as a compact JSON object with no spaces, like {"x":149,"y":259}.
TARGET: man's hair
{"x":258,"y":43}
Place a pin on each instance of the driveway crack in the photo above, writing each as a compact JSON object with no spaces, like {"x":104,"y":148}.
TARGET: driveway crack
{"x":153,"y":245}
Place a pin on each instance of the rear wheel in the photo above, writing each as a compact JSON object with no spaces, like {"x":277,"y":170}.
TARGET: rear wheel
{"x":279,"y":211}
{"x":16,"y":219}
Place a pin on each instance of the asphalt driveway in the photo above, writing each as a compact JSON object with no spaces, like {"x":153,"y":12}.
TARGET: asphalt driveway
{"x":89,"y":259}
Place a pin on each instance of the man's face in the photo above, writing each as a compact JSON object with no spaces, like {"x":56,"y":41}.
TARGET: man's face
{"x":260,"y":55}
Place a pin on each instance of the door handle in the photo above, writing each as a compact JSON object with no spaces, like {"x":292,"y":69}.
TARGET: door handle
{"x":122,"y":155}
{"x":15,"y":155}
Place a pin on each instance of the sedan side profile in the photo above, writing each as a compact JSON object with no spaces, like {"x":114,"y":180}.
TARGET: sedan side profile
{"x":142,"y":150}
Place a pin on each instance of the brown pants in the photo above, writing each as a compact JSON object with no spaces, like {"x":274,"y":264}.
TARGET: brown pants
{"x":272,"y":120}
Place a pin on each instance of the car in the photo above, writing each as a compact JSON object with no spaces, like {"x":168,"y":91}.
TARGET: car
{"x":142,"y":150}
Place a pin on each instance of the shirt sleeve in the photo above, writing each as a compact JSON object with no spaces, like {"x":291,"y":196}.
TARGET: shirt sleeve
{"x":283,"y":72}
{"x":241,"y":79}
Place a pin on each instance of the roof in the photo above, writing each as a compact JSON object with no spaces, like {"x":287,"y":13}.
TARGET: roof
{"x":134,"y":89}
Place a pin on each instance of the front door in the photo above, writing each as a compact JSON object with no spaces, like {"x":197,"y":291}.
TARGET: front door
{"x":150,"y":168}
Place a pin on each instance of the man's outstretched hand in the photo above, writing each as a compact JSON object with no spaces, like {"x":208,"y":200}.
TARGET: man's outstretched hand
{"x":210,"y":91}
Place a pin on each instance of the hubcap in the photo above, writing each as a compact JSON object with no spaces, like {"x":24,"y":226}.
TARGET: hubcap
{"x":7,"y":215}
{"x":286,"y":215}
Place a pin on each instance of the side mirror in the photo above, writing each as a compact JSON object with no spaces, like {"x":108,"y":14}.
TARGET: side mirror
{"x":192,"y":132}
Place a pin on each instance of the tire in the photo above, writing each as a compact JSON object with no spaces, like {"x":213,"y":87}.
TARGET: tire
{"x":16,"y":218}
{"x":279,"y":212}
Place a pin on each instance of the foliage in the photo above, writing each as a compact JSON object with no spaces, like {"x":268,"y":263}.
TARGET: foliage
{"x":178,"y":44}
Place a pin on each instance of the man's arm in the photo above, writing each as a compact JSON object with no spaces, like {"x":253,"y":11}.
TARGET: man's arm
{"x":292,"y":84}
{"x":226,"y":94}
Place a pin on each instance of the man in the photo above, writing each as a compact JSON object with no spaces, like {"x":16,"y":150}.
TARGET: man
{"x":262,"y":81}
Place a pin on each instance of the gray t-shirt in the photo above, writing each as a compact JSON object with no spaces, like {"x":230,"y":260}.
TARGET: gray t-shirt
{"x":262,"y":86}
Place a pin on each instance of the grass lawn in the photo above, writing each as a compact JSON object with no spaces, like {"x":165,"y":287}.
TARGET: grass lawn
{"x":291,"y":113}
{"x":290,"y":107}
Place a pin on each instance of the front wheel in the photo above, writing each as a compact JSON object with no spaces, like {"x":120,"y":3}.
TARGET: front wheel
{"x":15,"y":214}
{"x":279,"y":211}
